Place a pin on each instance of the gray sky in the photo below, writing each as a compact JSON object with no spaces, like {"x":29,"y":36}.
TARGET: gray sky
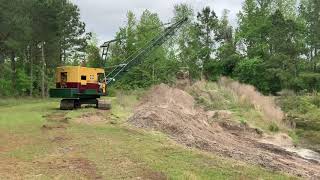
{"x":104,"y":17}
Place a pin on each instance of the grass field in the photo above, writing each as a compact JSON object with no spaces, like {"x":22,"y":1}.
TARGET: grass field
{"x":37,"y":141}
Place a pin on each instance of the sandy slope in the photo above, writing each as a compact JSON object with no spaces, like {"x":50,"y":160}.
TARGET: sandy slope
{"x":172,"y":111}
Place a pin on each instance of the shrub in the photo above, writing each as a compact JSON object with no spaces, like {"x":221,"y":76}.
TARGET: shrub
{"x":273,"y":127}
{"x":243,"y":122}
{"x":5,"y":87}
{"x":213,"y":70}
{"x":310,"y":81}
{"x":23,"y":82}
{"x":252,"y":71}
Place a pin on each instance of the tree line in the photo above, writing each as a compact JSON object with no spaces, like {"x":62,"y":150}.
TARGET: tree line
{"x":274,"y":45}
{"x":35,"y":37}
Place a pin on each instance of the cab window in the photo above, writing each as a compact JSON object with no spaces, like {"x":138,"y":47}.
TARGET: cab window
{"x":101,"y":77}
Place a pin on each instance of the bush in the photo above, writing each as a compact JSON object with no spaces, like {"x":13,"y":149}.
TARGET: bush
{"x":213,"y":70}
{"x":229,"y":65}
{"x":23,"y":82}
{"x":273,"y":127}
{"x":243,"y":122}
{"x":310,"y":81}
{"x":315,"y":100}
{"x":5,"y":87}
{"x":297,"y":104}
{"x":252,"y":71}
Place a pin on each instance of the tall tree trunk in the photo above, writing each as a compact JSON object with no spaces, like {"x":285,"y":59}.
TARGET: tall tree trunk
{"x":64,"y":57}
{"x":208,"y":44}
{"x":31,"y":71}
{"x":61,"y":57}
{"x":2,"y":56}
{"x":315,"y":60}
{"x":14,"y":70}
{"x":43,"y":92}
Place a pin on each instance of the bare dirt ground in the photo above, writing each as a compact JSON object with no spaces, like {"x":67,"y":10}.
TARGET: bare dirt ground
{"x":95,"y":118}
{"x":172,"y":111}
{"x":65,"y":159}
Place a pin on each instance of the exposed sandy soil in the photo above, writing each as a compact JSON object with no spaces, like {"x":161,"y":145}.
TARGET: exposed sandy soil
{"x":74,"y":165}
{"x":172,"y":111}
{"x":57,"y":117}
{"x":11,"y":168}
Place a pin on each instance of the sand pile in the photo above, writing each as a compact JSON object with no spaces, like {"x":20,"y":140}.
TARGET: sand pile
{"x":172,"y":111}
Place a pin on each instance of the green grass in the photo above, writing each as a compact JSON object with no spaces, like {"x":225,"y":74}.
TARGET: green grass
{"x":108,"y":150}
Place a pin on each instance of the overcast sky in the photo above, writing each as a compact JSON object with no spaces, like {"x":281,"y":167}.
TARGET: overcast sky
{"x":104,"y":17}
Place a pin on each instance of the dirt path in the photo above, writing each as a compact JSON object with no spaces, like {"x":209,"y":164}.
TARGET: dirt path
{"x":172,"y":111}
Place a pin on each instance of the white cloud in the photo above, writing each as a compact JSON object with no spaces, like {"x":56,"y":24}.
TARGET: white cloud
{"x":104,"y":17}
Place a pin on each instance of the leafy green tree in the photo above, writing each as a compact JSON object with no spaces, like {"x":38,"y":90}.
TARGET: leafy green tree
{"x":131,"y":31}
{"x":185,"y":45}
{"x":125,"y":44}
{"x":254,"y":25}
{"x":207,"y":24}
{"x":151,"y":70}
{"x":34,"y":33}
{"x":23,"y":82}
{"x":287,"y":7}
{"x":252,"y":71}
{"x":155,"y":67}
{"x":227,"y":54}
{"x":309,"y":12}
{"x":285,"y":43}
{"x":93,"y":57}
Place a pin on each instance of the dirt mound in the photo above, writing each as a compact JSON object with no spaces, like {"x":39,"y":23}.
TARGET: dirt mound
{"x":172,"y":111}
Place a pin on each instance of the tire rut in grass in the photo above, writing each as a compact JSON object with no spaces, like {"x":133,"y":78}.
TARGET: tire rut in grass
{"x":55,"y":121}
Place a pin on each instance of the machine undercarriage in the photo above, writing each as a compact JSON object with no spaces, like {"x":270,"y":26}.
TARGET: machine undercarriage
{"x":70,"y":104}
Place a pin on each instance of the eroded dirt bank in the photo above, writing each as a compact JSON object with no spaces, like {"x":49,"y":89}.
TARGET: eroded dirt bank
{"x":172,"y":111}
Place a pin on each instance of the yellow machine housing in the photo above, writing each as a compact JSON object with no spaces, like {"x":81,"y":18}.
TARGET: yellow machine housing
{"x":79,"y":85}
{"x":82,"y":78}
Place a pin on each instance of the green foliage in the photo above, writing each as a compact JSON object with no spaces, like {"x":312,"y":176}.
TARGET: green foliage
{"x":310,"y":81}
{"x":5,"y":87}
{"x":273,"y":127}
{"x":30,"y":26}
{"x":5,"y":81}
{"x":93,"y":54}
{"x":213,"y":69}
{"x":156,"y":66}
{"x":23,"y":82}
{"x":188,"y":42}
{"x":304,"y":111}
{"x":271,"y":32}
{"x":207,"y":24}
{"x":275,"y":47}
{"x":294,"y":136}
{"x":252,"y":71}
{"x":243,"y":121}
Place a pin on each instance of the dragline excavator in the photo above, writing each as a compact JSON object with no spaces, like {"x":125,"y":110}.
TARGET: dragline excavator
{"x":77,"y":85}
